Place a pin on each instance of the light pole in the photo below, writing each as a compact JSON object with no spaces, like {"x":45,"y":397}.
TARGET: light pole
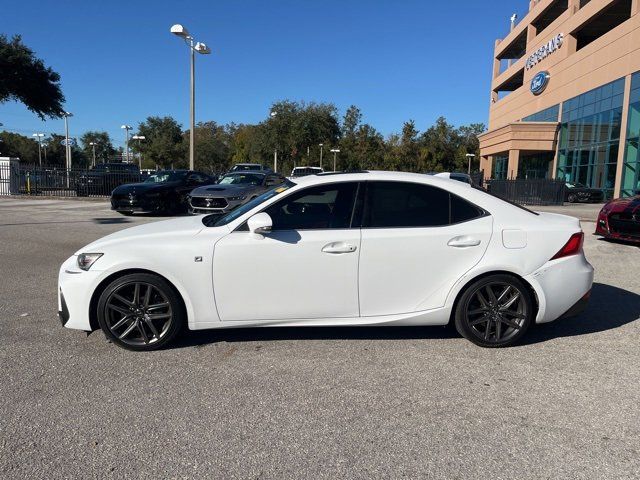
{"x":66,"y":116}
{"x":194,"y":47}
{"x":470,"y":156}
{"x":45,"y":145}
{"x":139,"y":138}
{"x":93,"y":146}
{"x":334,"y":151}
{"x":275,"y":149}
{"x":126,"y":128}
{"x":39,"y":138}
{"x":321,"y":145}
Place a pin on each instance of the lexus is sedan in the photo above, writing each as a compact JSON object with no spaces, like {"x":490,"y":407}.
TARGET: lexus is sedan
{"x":362,"y":248}
{"x":619,"y":219}
{"x":162,"y":192}
{"x":232,"y":190}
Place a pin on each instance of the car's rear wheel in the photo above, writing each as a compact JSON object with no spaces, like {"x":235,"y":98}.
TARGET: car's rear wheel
{"x":140,"y":312}
{"x":572,"y":198}
{"x":495,"y":311}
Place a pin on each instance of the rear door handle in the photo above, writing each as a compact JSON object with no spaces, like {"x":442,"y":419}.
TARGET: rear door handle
{"x":463,"y":241}
{"x":339,"y":247}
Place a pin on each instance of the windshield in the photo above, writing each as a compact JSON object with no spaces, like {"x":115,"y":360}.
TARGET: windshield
{"x":574,"y":185}
{"x":216,"y":221}
{"x":164,"y":177}
{"x":242,"y":179}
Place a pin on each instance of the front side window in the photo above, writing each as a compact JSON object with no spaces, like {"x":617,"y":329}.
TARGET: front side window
{"x":166,"y":177}
{"x":401,"y":205}
{"x":316,"y":208}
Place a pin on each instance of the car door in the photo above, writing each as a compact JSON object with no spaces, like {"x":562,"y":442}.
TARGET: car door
{"x":305,"y":268}
{"x":417,"y":241}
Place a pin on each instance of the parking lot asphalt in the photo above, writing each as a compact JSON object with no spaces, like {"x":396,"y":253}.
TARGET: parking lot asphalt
{"x":309,"y":403}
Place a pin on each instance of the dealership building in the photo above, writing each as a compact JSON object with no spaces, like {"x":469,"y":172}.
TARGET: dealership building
{"x":565,"y":96}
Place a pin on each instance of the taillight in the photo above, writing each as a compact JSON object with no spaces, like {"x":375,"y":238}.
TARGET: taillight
{"x":572,"y":247}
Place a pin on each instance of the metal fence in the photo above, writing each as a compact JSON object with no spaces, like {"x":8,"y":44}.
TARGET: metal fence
{"x":535,"y":191}
{"x":59,"y":182}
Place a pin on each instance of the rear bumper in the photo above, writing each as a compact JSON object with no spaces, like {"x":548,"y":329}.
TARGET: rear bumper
{"x":578,"y":307}
{"x":561,"y":285}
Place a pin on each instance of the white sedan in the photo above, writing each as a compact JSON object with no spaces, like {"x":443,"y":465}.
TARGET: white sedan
{"x":365,"y":248}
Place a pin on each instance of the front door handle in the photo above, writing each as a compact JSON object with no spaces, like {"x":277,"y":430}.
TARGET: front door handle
{"x":463,"y":241}
{"x":339,"y":247}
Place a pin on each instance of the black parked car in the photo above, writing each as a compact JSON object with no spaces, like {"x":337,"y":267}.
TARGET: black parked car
{"x":576,"y":192}
{"x":162,"y":192}
{"x":104,"y":177}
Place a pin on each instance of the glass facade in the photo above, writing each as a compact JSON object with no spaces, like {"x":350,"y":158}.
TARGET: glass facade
{"x":547,"y":115}
{"x":590,"y":137}
{"x":535,"y":165}
{"x":631,"y":165}
{"x":500,"y":166}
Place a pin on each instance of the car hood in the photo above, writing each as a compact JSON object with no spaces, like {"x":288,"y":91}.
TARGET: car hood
{"x":171,"y":230}
{"x":222,"y":190}
{"x":631,"y":205}
{"x":144,"y":187}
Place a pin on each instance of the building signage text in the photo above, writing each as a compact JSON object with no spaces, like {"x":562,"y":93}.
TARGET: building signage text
{"x":544,"y":51}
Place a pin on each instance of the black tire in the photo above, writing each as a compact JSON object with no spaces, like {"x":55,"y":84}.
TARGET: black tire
{"x":129,"y":319}
{"x":572,"y":198}
{"x":485,"y":318}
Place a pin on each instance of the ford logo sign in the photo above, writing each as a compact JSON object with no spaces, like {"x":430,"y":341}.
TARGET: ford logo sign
{"x":540,"y":82}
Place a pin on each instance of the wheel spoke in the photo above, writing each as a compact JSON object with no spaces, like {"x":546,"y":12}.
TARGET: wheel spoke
{"x":157,"y":305}
{"x":478,"y":311}
{"x":511,"y":313}
{"x":152,"y":327}
{"x":128,"y":330}
{"x":483,"y":301}
{"x":488,"y":329}
{"x":492,"y":296}
{"x":478,"y":321}
{"x":145,"y":337}
{"x":506,"y":290}
{"x":498,"y":330}
{"x":147,"y":296}
{"x":509,"y":322}
{"x":510,"y":302}
{"x":136,"y":294}
{"x":128,"y":303}
{"x":159,"y":316}
{"x":121,"y":322}
{"x":121,"y":310}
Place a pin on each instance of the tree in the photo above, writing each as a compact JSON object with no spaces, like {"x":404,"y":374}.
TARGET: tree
{"x":26,"y":79}
{"x":212,"y":147}
{"x":103,"y":148}
{"x":16,"y":145}
{"x":163,"y":144}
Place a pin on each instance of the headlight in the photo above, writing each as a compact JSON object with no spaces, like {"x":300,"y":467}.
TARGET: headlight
{"x":233,"y":199}
{"x":85,"y":260}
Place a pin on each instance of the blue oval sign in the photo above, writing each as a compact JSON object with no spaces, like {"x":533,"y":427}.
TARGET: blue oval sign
{"x":539,"y":82}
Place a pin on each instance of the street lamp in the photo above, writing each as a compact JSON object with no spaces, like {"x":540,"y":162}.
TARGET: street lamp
{"x":66,"y":116}
{"x":321,"y":145}
{"x":45,"y":146}
{"x":334,"y":151}
{"x":470,"y":156}
{"x":275,"y":149}
{"x":139,"y":138}
{"x":126,"y":128}
{"x":39,"y":138}
{"x":180,"y":31}
{"x":93,"y":146}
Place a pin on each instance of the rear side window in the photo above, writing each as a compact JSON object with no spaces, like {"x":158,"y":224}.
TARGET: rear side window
{"x":400,"y":204}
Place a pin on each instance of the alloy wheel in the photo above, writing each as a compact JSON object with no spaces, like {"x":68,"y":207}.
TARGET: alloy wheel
{"x":496,"y":312}
{"x":138,"y":314}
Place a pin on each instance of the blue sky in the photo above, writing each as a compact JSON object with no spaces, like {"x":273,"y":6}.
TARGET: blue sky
{"x":396,"y":60}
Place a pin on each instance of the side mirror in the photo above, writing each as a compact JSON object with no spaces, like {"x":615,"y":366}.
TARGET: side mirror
{"x":260,"y":223}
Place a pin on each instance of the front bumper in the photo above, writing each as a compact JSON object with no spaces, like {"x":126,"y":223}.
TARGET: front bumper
{"x":75,"y":287}
{"x":618,"y":228}
{"x":198,"y":205}
{"x":134,"y":204}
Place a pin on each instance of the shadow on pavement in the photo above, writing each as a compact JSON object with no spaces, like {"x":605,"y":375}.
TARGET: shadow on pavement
{"x":609,"y":308}
{"x":110,"y":221}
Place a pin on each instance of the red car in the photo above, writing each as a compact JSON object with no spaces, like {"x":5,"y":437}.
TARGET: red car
{"x":620,"y":219}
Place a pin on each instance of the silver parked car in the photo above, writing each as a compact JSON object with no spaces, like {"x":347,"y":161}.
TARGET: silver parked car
{"x":233,"y":190}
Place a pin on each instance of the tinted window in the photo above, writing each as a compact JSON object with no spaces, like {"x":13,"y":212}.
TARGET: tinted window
{"x":398,"y":204}
{"x":320,"y":207}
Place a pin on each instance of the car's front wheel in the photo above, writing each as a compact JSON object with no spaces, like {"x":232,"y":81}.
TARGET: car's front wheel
{"x":495,"y":311}
{"x":572,"y":198}
{"x":140,"y":312}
